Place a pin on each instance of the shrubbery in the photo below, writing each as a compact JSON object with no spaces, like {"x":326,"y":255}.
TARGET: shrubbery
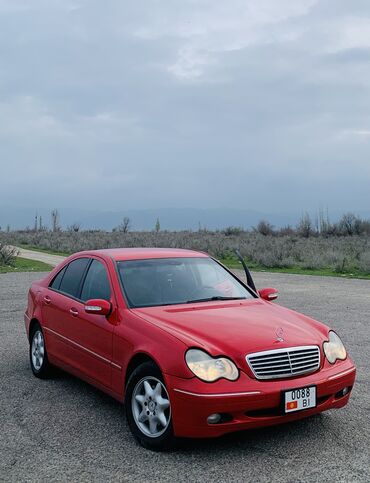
{"x":341,"y":247}
{"x":8,"y":255}
{"x":343,"y":254}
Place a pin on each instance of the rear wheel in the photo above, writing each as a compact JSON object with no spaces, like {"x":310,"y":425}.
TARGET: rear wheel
{"x":38,"y":355}
{"x":148,"y":408}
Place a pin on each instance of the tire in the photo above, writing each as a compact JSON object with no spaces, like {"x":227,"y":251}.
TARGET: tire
{"x":38,"y":354}
{"x":148,"y":408}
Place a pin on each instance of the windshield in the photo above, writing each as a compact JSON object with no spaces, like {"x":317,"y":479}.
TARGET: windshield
{"x":169,"y":281}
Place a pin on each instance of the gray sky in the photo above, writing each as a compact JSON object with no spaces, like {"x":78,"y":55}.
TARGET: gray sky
{"x":258,"y":104}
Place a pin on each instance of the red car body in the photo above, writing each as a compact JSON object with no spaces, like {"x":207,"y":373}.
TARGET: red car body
{"x":103,"y":350}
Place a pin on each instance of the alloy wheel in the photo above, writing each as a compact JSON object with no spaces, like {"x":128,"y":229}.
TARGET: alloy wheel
{"x":151,"y":407}
{"x":37,"y":350}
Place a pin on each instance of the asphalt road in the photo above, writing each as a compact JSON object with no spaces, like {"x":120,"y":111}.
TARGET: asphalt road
{"x":65,"y":430}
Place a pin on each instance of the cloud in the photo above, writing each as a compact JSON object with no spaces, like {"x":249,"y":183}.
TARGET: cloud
{"x":23,"y":117}
{"x":248,"y":104}
{"x":207,"y":28}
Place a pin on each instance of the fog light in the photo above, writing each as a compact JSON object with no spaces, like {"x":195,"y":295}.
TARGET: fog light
{"x":342,"y":392}
{"x":214,"y":418}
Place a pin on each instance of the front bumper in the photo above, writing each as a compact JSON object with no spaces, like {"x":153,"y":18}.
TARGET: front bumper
{"x":249,"y":403}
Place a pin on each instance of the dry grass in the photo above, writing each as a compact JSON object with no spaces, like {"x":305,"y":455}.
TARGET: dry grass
{"x":339,"y":254}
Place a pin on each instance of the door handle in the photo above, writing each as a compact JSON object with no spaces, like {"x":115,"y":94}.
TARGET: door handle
{"x":73,"y":311}
{"x":47,"y":299}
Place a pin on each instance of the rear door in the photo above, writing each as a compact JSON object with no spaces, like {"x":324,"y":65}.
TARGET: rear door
{"x":81,"y":340}
{"x":57,"y":302}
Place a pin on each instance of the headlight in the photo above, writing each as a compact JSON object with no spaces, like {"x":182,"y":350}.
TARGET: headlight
{"x":334,"y":349}
{"x":209,"y":369}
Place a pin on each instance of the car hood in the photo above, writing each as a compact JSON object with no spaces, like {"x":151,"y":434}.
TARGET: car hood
{"x":236,"y":328}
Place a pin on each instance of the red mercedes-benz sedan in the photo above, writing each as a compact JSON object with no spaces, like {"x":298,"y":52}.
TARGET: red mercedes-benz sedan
{"x":191,"y":350}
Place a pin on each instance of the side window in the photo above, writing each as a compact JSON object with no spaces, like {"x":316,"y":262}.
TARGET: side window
{"x":96,"y":285}
{"x":72,"y":277}
{"x":55,"y":284}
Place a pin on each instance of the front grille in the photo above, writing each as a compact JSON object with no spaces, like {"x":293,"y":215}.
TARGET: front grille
{"x":281,"y":363}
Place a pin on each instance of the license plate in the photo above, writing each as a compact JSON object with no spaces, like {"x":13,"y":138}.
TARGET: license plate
{"x":299,"y":399}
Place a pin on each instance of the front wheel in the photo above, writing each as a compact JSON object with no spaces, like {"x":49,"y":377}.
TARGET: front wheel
{"x":148,"y":408}
{"x":38,"y":356}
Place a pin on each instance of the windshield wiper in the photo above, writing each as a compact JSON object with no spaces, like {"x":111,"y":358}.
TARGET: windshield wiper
{"x":216,"y":297}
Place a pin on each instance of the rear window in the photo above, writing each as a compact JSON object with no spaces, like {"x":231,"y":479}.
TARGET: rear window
{"x":71,"y":280}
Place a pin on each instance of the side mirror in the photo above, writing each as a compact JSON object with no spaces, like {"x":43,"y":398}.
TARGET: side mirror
{"x":268,"y":294}
{"x":98,"y":307}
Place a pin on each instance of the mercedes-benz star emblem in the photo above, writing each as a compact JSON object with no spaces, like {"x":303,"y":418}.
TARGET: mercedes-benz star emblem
{"x":279,"y":334}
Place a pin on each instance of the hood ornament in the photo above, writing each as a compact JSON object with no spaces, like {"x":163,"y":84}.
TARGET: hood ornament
{"x":280,"y":335}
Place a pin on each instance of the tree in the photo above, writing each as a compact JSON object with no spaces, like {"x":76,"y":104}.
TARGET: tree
{"x":157,"y":226}
{"x":350,"y":224}
{"x":74,"y":227}
{"x":265,"y":228}
{"x":125,"y":226}
{"x":232,"y":230}
{"x":304,"y":227}
{"x":55,"y":220}
{"x":324,"y":227}
{"x":286,"y":230}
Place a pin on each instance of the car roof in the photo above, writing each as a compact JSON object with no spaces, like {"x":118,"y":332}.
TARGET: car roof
{"x":120,"y":254}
